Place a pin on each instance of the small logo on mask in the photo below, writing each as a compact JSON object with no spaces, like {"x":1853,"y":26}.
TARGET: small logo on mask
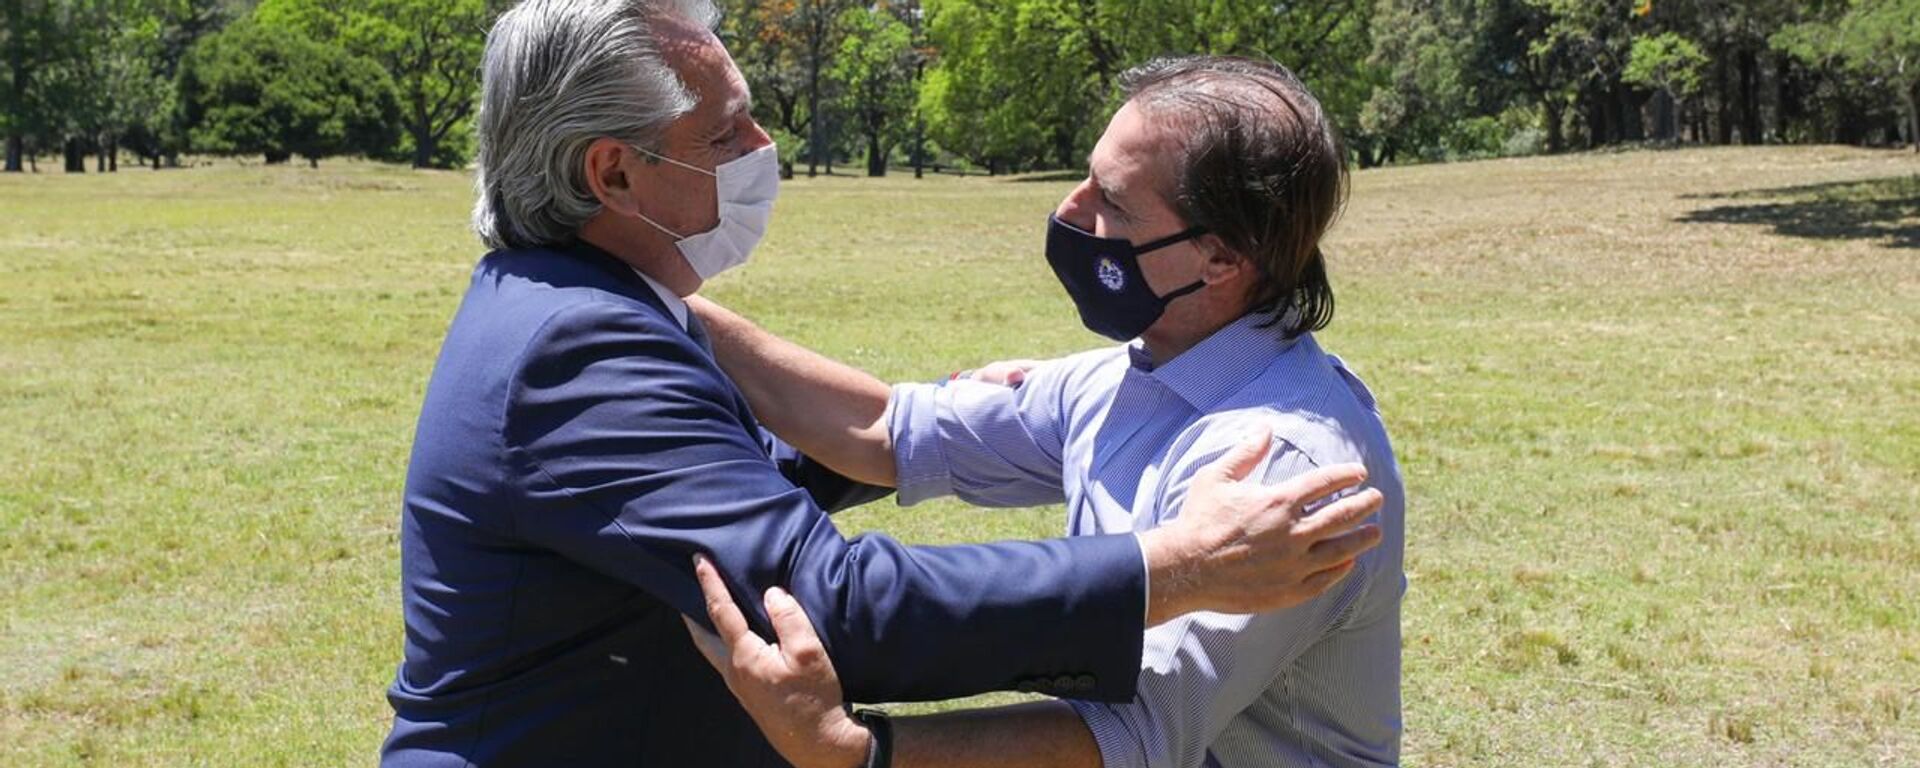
{"x":1110,"y":274}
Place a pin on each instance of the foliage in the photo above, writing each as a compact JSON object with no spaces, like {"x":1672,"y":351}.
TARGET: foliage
{"x":873,"y":74}
{"x":1668,"y":62}
{"x":254,"y":88}
{"x":1877,"y":38}
{"x":431,"y":48}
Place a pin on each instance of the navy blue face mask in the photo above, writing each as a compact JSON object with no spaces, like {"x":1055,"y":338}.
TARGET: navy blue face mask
{"x":1102,"y":275}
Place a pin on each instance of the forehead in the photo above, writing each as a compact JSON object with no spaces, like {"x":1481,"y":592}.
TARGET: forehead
{"x":1135,"y":154}
{"x":700,"y":60}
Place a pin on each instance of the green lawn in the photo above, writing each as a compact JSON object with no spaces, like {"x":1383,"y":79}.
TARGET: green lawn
{"x":1659,"y":414}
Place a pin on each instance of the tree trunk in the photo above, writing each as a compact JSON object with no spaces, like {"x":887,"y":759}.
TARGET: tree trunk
{"x":919,"y":146}
{"x":1750,"y":98}
{"x":1596,"y":119}
{"x":76,"y":155}
{"x":422,"y":130}
{"x":314,"y":163}
{"x":1556,"y":130}
{"x":876,"y":160}
{"x":17,"y":66}
{"x":1632,"y":126}
{"x":1913,"y":115}
{"x":1663,"y":122}
{"x":277,"y":156}
{"x":1723,"y":102}
{"x":113,"y":156}
{"x":99,"y":158}
{"x":1785,"y":106}
{"x":813,"y":115}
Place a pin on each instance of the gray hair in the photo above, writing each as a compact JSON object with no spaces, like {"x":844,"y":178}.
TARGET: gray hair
{"x":559,"y":74}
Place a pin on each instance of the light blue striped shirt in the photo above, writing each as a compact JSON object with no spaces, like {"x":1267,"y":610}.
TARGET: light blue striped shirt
{"x":1117,"y":440}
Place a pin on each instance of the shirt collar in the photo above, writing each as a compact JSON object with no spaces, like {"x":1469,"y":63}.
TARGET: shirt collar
{"x":675,"y":305}
{"x":1222,"y":364}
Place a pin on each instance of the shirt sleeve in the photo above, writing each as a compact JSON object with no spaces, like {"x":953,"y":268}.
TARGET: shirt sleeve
{"x":1200,"y":671}
{"x":632,"y":480}
{"x":990,"y":445}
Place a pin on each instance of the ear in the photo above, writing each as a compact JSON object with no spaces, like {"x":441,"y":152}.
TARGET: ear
{"x":1223,"y":263}
{"x":609,"y":164}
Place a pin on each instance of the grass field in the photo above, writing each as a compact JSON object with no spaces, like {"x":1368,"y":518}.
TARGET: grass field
{"x":1659,"y":415}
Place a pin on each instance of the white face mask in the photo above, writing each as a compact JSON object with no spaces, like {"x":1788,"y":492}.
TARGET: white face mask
{"x":746,"y":187}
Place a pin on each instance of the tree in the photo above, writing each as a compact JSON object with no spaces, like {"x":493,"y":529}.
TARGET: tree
{"x":874,"y":73}
{"x":1877,"y":38}
{"x":1671,"y":64}
{"x":431,"y":49}
{"x":32,"y":38}
{"x":1014,"y":83}
{"x":254,"y":88}
{"x":815,"y":26}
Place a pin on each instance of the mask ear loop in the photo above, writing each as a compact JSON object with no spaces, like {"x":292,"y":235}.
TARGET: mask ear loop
{"x":1186,"y":234}
{"x":658,"y":156}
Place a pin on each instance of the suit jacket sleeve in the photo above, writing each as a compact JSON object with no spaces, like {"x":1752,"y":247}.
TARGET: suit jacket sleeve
{"x":832,"y":491}
{"x":633,"y":480}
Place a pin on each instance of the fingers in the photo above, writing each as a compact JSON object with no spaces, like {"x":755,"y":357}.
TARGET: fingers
{"x":710,"y":645}
{"x":728,"y":622}
{"x":1321,"y":580}
{"x":1346,"y":546}
{"x":1341,"y":515}
{"x":1309,"y":487}
{"x":793,"y":630}
{"x":1242,"y":458}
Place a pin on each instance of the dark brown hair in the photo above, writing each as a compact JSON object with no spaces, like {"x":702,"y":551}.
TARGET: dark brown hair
{"x":1261,"y":168}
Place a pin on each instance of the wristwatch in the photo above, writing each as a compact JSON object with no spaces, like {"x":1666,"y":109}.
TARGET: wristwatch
{"x":880,"y":751}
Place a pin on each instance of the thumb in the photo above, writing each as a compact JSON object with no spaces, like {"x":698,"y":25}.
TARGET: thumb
{"x":1242,"y":458}
{"x":793,"y":629}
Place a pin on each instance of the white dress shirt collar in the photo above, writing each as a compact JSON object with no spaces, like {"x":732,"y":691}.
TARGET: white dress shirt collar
{"x":675,"y":305}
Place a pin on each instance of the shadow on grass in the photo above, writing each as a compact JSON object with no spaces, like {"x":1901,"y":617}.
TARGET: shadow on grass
{"x":1884,"y":210}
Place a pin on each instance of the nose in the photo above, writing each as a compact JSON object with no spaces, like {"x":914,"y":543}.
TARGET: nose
{"x":1075,"y":210}
{"x":756,"y":136}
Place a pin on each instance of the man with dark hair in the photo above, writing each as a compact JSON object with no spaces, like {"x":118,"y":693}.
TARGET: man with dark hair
{"x":1197,"y":231}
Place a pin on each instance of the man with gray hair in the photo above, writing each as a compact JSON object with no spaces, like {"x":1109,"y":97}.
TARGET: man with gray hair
{"x":578,"y":450}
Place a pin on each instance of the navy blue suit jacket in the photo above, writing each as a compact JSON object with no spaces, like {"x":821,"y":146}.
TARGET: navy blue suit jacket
{"x":575,"y":449}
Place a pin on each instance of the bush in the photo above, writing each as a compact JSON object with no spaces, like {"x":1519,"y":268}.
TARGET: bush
{"x":256,"y":89}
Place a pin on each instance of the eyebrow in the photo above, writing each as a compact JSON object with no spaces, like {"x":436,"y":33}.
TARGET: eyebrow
{"x":1111,"y":193}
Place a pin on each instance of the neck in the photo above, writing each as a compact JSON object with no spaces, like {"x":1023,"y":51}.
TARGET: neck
{"x":650,"y":253}
{"x":1174,"y":335}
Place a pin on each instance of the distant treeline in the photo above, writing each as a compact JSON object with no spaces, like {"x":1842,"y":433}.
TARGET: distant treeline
{"x":993,"y":85}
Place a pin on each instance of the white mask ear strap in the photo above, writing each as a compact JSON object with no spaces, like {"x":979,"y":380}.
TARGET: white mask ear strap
{"x":656,"y":225}
{"x":658,"y":156}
